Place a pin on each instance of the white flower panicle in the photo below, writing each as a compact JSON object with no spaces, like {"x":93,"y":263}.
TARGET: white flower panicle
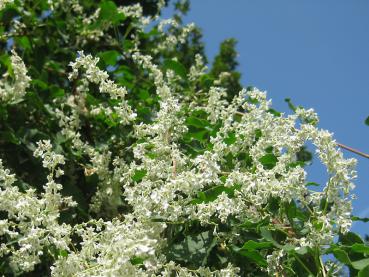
{"x":113,"y":244}
{"x":248,"y":156}
{"x":32,"y":222}
{"x":3,"y":3}
{"x":15,"y":91}
{"x":93,"y":74}
{"x":50,"y":160}
{"x":198,"y":69}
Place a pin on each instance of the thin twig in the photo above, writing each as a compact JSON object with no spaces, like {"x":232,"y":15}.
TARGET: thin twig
{"x":353,"y":150}
{"x":339,"y":144}
{"x":322,"y":265}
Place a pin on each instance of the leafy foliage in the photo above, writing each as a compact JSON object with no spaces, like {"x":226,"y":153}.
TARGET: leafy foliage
{"x":167,"y":168}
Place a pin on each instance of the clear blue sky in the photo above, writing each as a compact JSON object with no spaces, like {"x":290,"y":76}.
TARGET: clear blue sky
{"x":312,"y":51}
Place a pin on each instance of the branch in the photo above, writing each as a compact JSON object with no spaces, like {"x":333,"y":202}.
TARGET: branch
{"x":353,"y":150}
{"x":339,"y":144}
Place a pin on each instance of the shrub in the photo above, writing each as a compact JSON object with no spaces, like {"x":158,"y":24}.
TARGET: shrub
{"x":123,"y":154}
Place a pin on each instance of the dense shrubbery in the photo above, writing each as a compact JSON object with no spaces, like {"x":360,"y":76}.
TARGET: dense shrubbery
{"x":123,"y":154}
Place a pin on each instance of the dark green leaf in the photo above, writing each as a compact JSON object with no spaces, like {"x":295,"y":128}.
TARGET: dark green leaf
{"x":230,"y":139}
{"x":143,"y":94}
{"x":350,"y":238}
{"x":194,"y":249}
{"x":137,"y":260}
{"x":109,"y":12}
{"x":367,"y":121}
{"x":63,"y":253}
{"x":255,"y":225}
{"x":304,"y":155}
{"x":39,"y":83}
{"x":360,"y":248}
{"x":177,"y":67}
{"x":290,"y":105}
{"x":274,"y":112}
{"x":268,"y":161}
{"x":267,"y":234}
{"x":24,"y":42}
{"x":342,"y":256}
{"x":196,"y":122}
{"x":363,"y":219}
{"x":364,"y":272}
{"x":254,"y":256}
{"x":9,"y":136}
{"x":109,"y":57}
{"x":360,"y":264}
{"x":312,"y":184}
{"x":56,"y":92}
{"x":198,"y":135}
{"x":254,"y":245}
{"x":139,"y":174}
{"x":212,"y":193}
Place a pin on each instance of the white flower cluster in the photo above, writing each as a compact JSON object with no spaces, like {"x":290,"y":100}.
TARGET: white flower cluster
{"x":74,"y":5}
{"x":3,"y":3}
{"x":198,"y":69}
{"x":135,"y":12}
{"x":109,"y":247}
{"x":32,"y":220}
{"x":13,"y":92}
{"x":171,"y":180}
{"x":92,"y":34}
{"x":162,"y":181}
{"x":171,"y":40}
{"x":97,"y":76}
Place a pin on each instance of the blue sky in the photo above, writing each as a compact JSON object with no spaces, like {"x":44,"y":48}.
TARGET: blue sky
{"x":312,"y":51}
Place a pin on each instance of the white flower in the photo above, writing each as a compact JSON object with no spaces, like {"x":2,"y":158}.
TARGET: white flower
{"x":3,"y":3}
{"x":14,"y":92}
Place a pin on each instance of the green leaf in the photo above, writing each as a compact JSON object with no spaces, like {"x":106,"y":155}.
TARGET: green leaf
{"x":91,"y":100}
{"x":291,"y":248}
{"x":196,"y":122}
{"x":255,"y":256}
{"x":255,"y":225}
{"x":136,"y":260}
{"x":360,"y":264}
{"x":364,"y":272}
{"x":39,"y":83}
{"x":10,"y":136}
{"x":109,"y":12}
{"x":302,"y":250}
{"x":350,"y":238}
{"x":56,"y":92}
{"x":290,"y":104}
{"x":230,"y":139}
{"x":198,"y":135}
{"x":63,"y":253}
{"x":177,"y":67}
{"x":139,"y":174}
{"x":342,"y":256}
{"x":360,"y":248}
{"x":267,"y":234}
{"x":212,"y":193}
{"x":294,"y":212}
{"x":304,"y":155}
{"x":24,"y":42}
{"x":109,"y":57}
{"x":143,"y":94}
{"x":367,"y":121}
{"x":194,"y":249}
{"x":254,"y":245}
{"x":312,"y":184}
{"x":362,"y":219}
{"x":274,"y":112}
{"x":268,"y":161}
